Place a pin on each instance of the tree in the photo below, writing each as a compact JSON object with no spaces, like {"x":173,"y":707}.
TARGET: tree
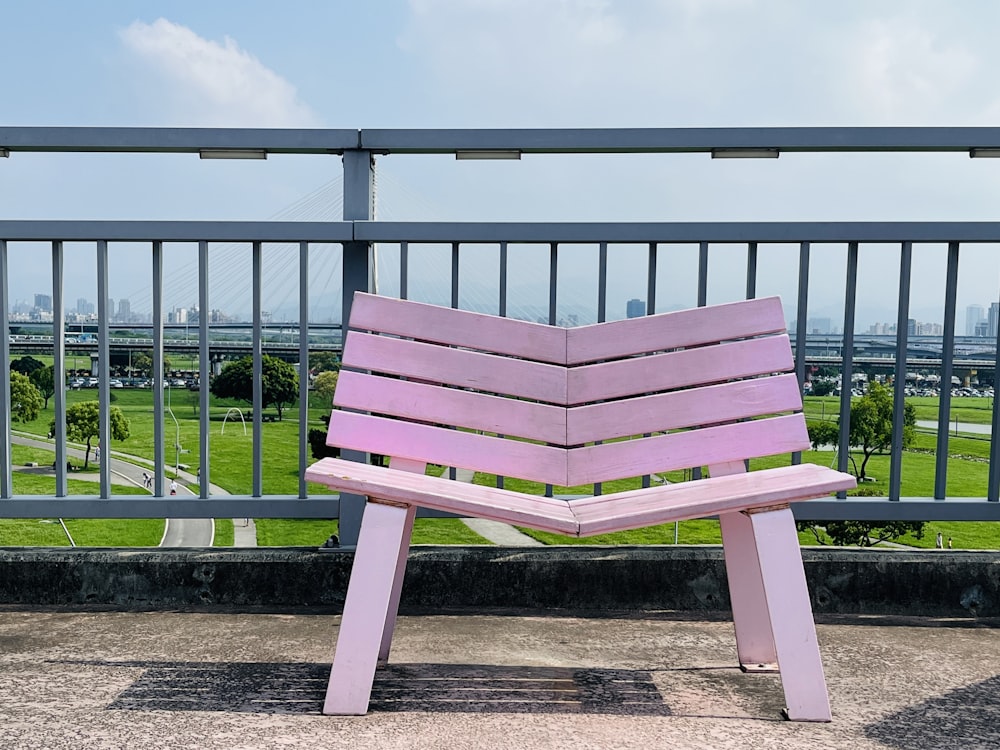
{"x":142,"y":363}
{"x":279,"y":382}
{"x":318,"y":446}
{"x":83,"y":424}
{"x":861,"y":533}
{"x":871,"y":426}
{"x":25,"y":400}
{"x":325,"y":384}
{"x":26,"y":365}
{"x":323,"y":362}
{"x":823,"y":433}
{"x":823,"y":386}
{"x":44,"y":379}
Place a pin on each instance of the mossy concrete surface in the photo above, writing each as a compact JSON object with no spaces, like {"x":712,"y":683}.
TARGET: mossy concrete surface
{"x":937,"y":583}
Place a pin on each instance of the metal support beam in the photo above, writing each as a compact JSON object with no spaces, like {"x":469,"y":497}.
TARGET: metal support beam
{"x":359,"y":199}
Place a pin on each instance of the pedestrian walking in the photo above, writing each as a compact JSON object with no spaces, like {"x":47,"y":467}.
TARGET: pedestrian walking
{"x":145,"y":480}
{"x":173,"y":486}
{"x":148,"y":481}
{"x":939,"y":541}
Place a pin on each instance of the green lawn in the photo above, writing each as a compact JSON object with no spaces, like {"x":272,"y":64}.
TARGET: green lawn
{"x":86,"y":532}
{"x":231,"y":450}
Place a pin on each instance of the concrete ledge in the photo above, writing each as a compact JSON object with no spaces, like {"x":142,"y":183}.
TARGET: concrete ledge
{"x":842,"y":581}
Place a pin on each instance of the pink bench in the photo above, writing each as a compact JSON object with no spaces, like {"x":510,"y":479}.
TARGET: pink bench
{"x":706,"y":387}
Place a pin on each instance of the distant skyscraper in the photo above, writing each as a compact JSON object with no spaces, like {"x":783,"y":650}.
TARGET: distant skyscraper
{"x":81,"y":306}
{"x":973,"y":316}
{"x":124,"y":310}
{"x":819,"y":325}
{"x":635,"y":308}
{"x":994,"y":318}
{"x":43,"y":302}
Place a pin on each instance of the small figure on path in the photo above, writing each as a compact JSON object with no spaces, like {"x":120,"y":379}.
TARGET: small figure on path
{"x":938,"y":542}
{"x":173,"y":486}
{"x":145,"y":480}
{"x":949,"y":543}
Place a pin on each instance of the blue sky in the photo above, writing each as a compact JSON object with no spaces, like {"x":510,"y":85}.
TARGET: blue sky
{"x":515,"y":63}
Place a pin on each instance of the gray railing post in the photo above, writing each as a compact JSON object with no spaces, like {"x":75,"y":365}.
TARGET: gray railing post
{"x":6,"y":478}
{"x":359,"y":199}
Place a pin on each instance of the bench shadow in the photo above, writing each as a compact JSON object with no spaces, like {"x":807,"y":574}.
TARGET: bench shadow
{"x":967,"y":717}
{"x":296,"y":688}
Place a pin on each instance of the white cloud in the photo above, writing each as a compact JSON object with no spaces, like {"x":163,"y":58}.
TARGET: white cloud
{"x":215,"y":84}
{"x":907,"y":72}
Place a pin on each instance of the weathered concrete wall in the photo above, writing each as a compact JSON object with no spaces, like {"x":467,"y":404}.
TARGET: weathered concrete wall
{"x":849,"y":581}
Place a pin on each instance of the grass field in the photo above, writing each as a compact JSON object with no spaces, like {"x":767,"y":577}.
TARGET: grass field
{"x":230,"y":450}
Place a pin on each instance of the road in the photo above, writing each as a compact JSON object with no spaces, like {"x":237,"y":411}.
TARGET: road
{"x":969,"y":427}
{"x":179,"y":532}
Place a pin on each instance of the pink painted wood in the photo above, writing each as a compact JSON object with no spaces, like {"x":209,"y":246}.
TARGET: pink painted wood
{"x":366,"y":608}
{"x":751,"y":617}
{"x":685,"y":328}
{"x":657,"y":372}
{"x":699,"y":387}
{"x":439,"y":445}
{"x":425,"y":402}
{"x":791,"y":618}
{"x":458,"y":367}
{"x":470,"y":330}
{"x":742,"y":399}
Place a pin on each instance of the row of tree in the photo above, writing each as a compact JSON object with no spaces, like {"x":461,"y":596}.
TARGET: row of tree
{"x":870,"y":432}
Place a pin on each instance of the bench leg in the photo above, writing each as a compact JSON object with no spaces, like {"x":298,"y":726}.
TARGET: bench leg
{"x":366,"y":610}
{"x":397,"y":587}
{"x":791,"y":615}
{"x":754,"y":641}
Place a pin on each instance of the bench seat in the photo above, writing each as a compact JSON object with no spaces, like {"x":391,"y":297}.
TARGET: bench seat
{"x":631,"y":509}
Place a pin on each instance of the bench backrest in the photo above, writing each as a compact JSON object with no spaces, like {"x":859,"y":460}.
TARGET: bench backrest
{"x":562,"y":406}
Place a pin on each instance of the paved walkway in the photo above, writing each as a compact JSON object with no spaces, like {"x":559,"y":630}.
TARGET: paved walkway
{"x":179,"y":532}
{"x":531,"y":680}
{"x":494,"y":531}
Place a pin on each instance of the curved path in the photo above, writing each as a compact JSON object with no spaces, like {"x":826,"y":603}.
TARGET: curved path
{"x":178,"y":532}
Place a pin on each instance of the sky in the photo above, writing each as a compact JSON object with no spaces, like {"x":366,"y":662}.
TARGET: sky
{"x":510,"y":63}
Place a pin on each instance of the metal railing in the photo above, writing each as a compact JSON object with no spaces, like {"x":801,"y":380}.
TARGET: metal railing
{"x":357,"y":236}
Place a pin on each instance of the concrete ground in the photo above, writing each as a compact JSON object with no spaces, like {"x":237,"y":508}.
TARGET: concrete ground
{"x":81,"y":680}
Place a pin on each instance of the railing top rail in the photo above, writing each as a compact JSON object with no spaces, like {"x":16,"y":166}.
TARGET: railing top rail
{"x":678,"y":232}
{"x":177,"y":231}
{"x":526,"y":140}
{"x":177,"y":140}
{"x":680,"y":140}
{"x":501,"y":231}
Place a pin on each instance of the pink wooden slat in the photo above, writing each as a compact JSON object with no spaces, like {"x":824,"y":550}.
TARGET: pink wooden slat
{"x":459,"y":367}
{"x":434,"y":492}
{"x":679,"y":450}
{"x":459,"y":328}
{"x":673,"y":330}
{"x":384,"y":534}
{"x":679,"y":502}
{"x":451,"y":406}
{"x":438,"y":445}
{"x":669,"y":411}
{"x":751,"y":620}
{"x":709,"y":364}
{"x":792,"y":626}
